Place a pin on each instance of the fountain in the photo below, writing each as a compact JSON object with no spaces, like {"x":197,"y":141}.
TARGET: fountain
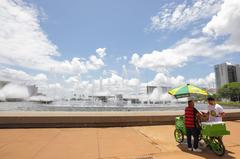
{"x":15,"y":92}
{"x":2,"y":97}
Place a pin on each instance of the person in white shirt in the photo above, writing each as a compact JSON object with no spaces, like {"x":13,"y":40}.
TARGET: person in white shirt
{"x":215,"y":111}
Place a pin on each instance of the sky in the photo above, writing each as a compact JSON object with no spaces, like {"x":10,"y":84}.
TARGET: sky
{"x":79,"y":44}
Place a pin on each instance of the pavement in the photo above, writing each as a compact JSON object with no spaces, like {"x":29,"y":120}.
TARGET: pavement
{"x":145,"y":142}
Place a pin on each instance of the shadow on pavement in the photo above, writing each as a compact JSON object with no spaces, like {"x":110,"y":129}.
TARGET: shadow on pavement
{"x":206,"y":153}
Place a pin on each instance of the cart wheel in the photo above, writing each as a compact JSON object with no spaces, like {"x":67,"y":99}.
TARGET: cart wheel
{"x":217,"y":146}
{"x":178,"y":134}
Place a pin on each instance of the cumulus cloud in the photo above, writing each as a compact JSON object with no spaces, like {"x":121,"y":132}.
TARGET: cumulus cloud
{"x":40,"y":77}
{"x":113,"y":84}
{"x":78,"y":65}
{"x":223,"y":35}
{"x":73,"y":79}
{"x":21,"y":36}
{"x":226,"y":23}
{"x":173,"y":16}
{"x":24,"y":43}
{"x":19,"y":76}
{"x":116,"y":80}
{"x":101,"y":52}
{"x":183,"y":51}
{"x":162,"y":79}
{"x":208,"y":81}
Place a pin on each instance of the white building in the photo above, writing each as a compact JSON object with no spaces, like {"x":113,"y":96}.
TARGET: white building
{"x":226,"y":73}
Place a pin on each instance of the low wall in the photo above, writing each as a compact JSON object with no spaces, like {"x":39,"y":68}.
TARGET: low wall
{"x":93,"y":119}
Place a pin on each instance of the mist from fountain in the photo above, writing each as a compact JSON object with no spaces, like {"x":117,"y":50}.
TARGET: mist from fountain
{"x":158,"y":95}
{"x":2,"y":96}
{"x":14,"y":91}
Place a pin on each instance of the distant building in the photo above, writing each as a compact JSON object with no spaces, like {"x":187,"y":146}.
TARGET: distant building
{"x":165,"y":89}
{"x":226,"y":73}
{"x":162,"y":89}
{"x":150,"y":89}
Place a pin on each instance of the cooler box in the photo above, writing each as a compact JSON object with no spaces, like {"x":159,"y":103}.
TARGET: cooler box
{"x":214,"y":129}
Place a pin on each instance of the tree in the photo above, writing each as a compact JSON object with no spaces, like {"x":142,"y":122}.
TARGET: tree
{"x":217,"y":96}
{"x":230,"y":91}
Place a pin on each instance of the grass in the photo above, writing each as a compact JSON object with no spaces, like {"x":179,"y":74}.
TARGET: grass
{"x":229,"y":103}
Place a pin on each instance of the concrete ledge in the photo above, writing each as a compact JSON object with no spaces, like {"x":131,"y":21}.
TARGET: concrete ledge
{"x":93,"y":119}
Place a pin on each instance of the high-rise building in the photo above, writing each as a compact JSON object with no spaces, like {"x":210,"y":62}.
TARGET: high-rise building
{"x":226,"y":73}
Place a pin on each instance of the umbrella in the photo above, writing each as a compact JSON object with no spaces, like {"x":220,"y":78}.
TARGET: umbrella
{"x":186,"y":91}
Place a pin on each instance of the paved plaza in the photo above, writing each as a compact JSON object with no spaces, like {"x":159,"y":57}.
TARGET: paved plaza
{"x":146,"y":142}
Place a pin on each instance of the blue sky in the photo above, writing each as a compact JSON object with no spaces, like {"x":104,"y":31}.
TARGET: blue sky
{"x":117,"y":25}
{"x":170,"y":38}
{"x":79,"y":27}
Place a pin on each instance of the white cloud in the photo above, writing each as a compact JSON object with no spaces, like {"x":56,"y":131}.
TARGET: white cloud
{"x":162,"y":79}
{"x":21,"y":36}
{"x":95,"y":63}
{"x":24,"y":43}
{"x":73,"y":79}
{"x":184,"y":51}
{"x":226,"y":23}
{"x":208,"y":81}
{"x":173,"y":16}
{"x":78,"y":65}
{"x":133,"y":82}
{"x":116,"y":84}
{"x":40,"y":77}
{"x":11,"y":74}
{"x":101,"y":52}
{"x":19,"y":76}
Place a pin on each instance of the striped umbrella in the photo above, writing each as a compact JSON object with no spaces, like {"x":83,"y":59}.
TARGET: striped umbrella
{"x":186,"y":91}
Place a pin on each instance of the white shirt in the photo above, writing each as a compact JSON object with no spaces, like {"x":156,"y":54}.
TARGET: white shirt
{"x":215,"y":113}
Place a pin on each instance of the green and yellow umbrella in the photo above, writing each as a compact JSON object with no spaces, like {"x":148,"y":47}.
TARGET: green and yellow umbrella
{"x":186,"y":91}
